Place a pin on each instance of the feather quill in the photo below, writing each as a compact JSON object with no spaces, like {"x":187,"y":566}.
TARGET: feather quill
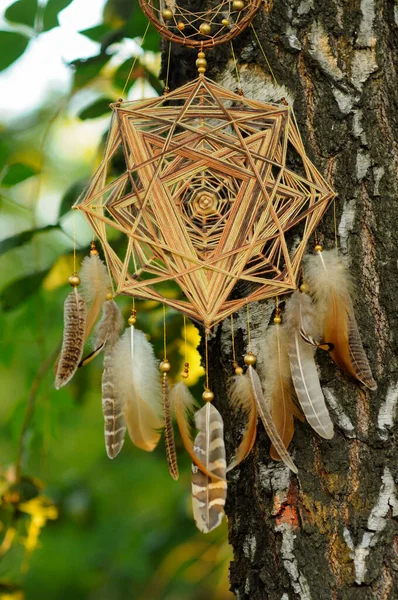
{"x":242,"y":399}
{"x":331,"y":287}
{"x":279,"y":391}
{"x":94,"y":287}
{"x":73,"y":338}
{"x":137,"y":388}
{"x":209,"y":494}
{"x":301,"y":317}
{"x":183,"y":405}
{"x":266,"y":417}
{"x":171,"y":453}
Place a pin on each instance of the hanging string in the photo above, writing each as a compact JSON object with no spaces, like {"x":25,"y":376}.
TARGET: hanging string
{"x":207,"y":361}
{"x":233,"y":340}
{"x":164,"y":332}
{"x":166,"y":87}
{"x":335,"y":224}
{"x":248,"y":326}
{"x":135,"y":59}
{"x":74,"y":241}
{"x":263,"y":53}
{"x":236,"y":67}
{"x":185,"y":340}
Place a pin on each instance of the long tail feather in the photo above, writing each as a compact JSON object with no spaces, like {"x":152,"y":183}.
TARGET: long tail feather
{"x":138,"y":388}
{"x":242,"y":399}
{"x":73,"y":339}
{"x":278,"y":386}
{"x":183,"y":404}
{"x":107,"y":331}
{"x":208,"y":495}
{"x":331,"y":286}
{"x":95,"y":285}
{"x":301,"y":316}
{"x":266,"y":417}
{"x":168,"y":430}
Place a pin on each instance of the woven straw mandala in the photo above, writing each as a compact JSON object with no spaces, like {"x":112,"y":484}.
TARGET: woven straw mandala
{"x":217,"y":189}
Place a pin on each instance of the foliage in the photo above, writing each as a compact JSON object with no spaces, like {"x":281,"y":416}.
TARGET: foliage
{"x":72,"y":522}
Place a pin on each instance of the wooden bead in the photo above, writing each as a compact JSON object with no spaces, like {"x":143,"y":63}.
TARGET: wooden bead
{"x":167,"y":14}
{"x":318,"y":248}
{"x":164,"y":366}
{"x":238,"y":5}
{"x":304,"y":288}
{"x":238,"y":371}
{"x":205,"y":28}
{"x":74,"y":280}
{"x":250,"y":359}
{"x":225,"y":22}
{"x":208,"y":396}
{"x":181,"y":26}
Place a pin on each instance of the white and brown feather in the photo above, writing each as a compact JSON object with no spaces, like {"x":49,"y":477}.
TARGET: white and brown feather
{"x":73,"y":338}
{"x":208,"y":495}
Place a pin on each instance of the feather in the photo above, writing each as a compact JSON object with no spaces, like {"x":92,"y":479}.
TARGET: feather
{"x":106,"y":335}
{"x":331,"y":287}
{"x":315,"y":343}
{"x":278,"y":385}
{"x":183,"y":405}
{"x":266,"y":417}
{"x":301,"y":316}
{"x":168,"y":430}
{"x":208,"y":494}
{"x":95,"y":285}
{"x":138,"y":388}
{"x":73,"y":338}
{"x":242,"y":399}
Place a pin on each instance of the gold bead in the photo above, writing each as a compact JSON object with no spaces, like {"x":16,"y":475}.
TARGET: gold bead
{"x":132,"y":320}
{"x":185,"y":374}
{"x":318,"y":248}
{"x":304,"y":288}
{"x":238,"y":371}
{"x":164,"y":366}
{"x":205,"y":28}
{"x":202,"y":70}
{"x":181,"y":26}
{"x":208,"y":396}
{"x":238,"y":5}
{"x":93,"y":249}
{"x":225,"y":22}
{"x":277,"y":320}
{"x":201,"y":55}
{"x":250,"y":359}
{"x":74,"y":280}
{"x":201,"y":62}
{"x":109,"y":296}
{"x":167,"y":14}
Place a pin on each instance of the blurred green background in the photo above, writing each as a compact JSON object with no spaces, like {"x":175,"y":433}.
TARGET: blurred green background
{"x":74,"y":524}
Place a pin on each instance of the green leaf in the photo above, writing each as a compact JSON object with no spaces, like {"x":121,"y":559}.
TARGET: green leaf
{"x":70,"y":196}
{"x":140,"y":70}
{"x":87,"y":69}
{"x":50,"y":17}
{"x":117,"y":12}
{"x":23,"y":11}
{"x":22,"y":238}
{"x":96,"y":33}
{"x":17,"y":173}
{"x":20,"y":290}
{"x":97,"y":109}
{"x":136,"y":28}
{"x":12,"y":46}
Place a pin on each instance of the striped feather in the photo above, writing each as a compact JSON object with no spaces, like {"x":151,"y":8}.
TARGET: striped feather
{"x":73,"y":338}
{"x":94,"y":287}
{"x":300,"y":315}
{"x":171,"y":453}
{"x":266,"y":417}
{"x":208,"y":495}
{"x":331,"y":286}
{"x":242,"y":399}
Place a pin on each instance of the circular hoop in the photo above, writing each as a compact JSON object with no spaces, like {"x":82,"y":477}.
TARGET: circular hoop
{"x":225,"y":22}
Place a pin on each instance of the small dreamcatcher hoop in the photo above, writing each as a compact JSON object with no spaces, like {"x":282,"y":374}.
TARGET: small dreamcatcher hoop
{"x":205,"y":29}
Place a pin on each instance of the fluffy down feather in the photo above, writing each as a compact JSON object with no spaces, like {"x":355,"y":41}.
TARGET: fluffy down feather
{"x":94,"y":287}
{"x":242,"y":399}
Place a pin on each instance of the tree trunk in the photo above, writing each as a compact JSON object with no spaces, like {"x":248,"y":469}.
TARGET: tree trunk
{"x":330,"y":532}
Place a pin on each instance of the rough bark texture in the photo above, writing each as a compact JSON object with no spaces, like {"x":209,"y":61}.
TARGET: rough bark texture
{"x":330,"y":532}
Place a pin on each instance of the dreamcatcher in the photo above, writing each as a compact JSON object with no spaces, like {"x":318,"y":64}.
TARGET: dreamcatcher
{"x":218,"y":196}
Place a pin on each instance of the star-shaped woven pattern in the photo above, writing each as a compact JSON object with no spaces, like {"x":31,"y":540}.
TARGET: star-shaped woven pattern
{"x":217,"y":189}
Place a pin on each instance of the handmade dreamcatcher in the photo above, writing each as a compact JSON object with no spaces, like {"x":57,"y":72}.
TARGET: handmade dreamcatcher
{"x":219,"y":197}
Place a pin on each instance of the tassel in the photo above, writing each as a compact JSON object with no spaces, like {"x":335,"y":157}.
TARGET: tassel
{"x":107,"y":334}
{"x":208,"y":495}
{"x":138,"y":388}
{"x":171,"y":453}
{"x":331,"y":287}
{"x":278,"y":385}
{"x":73,"y":338}
{"x":266,"y":417}
{"x":183,"y":405}
{"x":301,"y":317}
{"x":242,"y":399}
{"x":95,"y":286}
